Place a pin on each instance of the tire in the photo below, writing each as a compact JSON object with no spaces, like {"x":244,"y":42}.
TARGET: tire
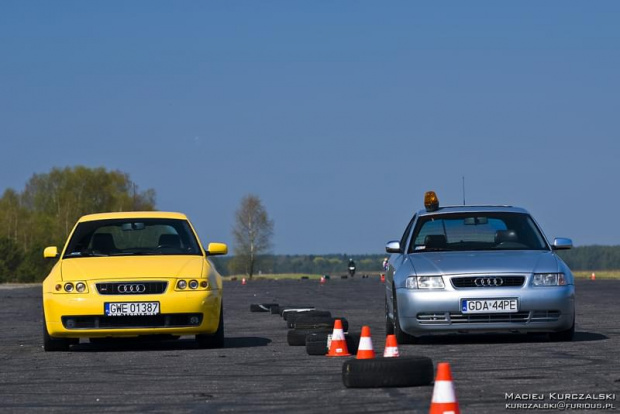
{"x":407,"y":371}
{"x":215,"y":340}
{"x":389,"y":323}
{"x":316,"y":343}
{"x":563,"y":336}
{"x":262,"y":307}
{"x":51,"y":344}
{"x":283,"y":310}
{"x":291,"y":317}
{"x":315,"y":322}
{"x":401,"y":337}
{"x":297,"y":337}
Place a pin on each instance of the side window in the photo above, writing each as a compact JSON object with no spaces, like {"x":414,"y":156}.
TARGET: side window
{"x":403,"y":240}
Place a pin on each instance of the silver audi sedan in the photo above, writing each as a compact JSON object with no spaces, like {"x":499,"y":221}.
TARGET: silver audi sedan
{"x":474,"y":269}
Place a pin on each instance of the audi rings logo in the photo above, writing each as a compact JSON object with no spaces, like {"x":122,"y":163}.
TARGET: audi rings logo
{"x":489,"y":281}
{"x":131,"y":288}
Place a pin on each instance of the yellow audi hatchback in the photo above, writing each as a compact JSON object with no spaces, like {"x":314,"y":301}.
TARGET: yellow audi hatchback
{"x":133,"y":274}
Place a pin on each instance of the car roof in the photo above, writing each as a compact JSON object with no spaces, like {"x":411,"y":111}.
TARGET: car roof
{"x":473,"y":209}
{"x":133,"y":215}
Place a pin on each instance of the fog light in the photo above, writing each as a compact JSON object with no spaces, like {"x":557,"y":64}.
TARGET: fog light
{"x":70,"y":323}
{"x":193,"y":284}
{"x":58,"y":287}
{"x":204,"y":284}
{"x":68,"y":287}
{"x":194,"y":320}
{"x":80,"y":287}
{"x":181,"y":284}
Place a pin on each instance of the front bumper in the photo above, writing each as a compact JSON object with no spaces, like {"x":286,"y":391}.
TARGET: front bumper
{"x":541,"y":309}
{"x":82,"y":315}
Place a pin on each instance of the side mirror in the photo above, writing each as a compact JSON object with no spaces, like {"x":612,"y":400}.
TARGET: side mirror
{"x":50,"y":252}
{"x":562,"y":244}
{"x":216,"y":249}
{"x":393,"y":247}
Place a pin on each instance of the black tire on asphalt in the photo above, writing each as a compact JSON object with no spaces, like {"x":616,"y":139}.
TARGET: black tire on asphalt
{"x":297,"y":337}
{"x":563,"y":336}
{"x":51,"y":344}
{"x":285,"y":310}
{"x":215,"y":340}
{"x":262,"y":307}
{"x":353,"y":342}
{"x":406,"y":371}
{"x":316,"y":343}
{"x":291,"y":317}
{"x":315,"y":322}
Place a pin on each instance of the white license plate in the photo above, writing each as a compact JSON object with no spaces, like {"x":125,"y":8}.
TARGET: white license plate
{"x":507,"y":305}
{"x":131,"y":308}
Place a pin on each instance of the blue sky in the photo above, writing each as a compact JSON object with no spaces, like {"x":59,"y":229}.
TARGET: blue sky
{"x":339,"y":115}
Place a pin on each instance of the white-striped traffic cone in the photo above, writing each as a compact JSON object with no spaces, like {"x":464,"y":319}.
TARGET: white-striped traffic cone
{"x":444,"y":397}
{"x":391,"y":347}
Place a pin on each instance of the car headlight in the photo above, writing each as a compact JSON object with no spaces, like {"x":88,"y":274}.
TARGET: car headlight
{"x":549,"y":279}
{"x":424,"y":282}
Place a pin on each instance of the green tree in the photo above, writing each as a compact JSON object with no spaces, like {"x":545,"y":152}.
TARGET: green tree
{"x":45,"y":212}
{"x":252,"y":233}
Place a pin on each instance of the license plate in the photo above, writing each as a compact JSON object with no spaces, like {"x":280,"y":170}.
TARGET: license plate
{"x":131,"y":308}
{"x":507,"y":305}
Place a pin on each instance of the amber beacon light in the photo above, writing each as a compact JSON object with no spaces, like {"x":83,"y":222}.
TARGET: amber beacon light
{"x":431,"y":202}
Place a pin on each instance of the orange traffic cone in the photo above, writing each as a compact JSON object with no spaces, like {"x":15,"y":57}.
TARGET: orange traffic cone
{"x":391,"y":347}
{"x":322,"y":281}
{"x":243,"y":281}
{"x":365,"y":349}
{"x":383,"y":277}
{"x":338,"y":345}
{"x":444,"y":398}
{"x":593,"y":276}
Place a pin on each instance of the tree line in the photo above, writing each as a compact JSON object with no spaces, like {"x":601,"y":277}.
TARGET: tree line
{"x":44,"y":213}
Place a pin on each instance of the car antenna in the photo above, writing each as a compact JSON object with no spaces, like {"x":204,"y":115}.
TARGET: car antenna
{"x":463,"y":190}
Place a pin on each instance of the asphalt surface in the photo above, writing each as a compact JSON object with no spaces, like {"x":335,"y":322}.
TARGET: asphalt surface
{"x":257,"y":372}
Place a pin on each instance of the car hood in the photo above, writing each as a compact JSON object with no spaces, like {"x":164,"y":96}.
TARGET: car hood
{"x":132,"y":267}
{"x":472,"y":262}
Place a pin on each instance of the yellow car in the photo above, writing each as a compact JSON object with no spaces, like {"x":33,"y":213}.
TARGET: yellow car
{"x":133,"y":274}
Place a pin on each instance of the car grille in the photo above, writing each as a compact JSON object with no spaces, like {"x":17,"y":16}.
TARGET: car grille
{"x":174,"y":320}
{"x":488,"y":281}
{"x":132,"y":288}
{"x":459,"y":318}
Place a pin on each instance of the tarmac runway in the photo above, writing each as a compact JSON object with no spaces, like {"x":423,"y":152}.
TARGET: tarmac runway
{"x":258,"y":372}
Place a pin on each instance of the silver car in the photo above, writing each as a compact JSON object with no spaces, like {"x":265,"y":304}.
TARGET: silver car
{"x":470,"y":269}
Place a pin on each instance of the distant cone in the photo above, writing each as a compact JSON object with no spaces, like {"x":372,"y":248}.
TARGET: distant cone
{"x":444,"y":397}
{"x":322,"y":281}
{"x":365,"y":349}
{"x":243,"y":281}
{"x":391,"y":347}
{"x":383,"y":277}
{"x":593,"y":276}
{"x":338,"y":345}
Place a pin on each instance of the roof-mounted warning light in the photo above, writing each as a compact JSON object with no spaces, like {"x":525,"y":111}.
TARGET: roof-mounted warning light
{"x":431,"y":202}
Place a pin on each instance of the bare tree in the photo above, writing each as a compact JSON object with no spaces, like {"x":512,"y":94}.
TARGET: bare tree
{"x":252,"y":234}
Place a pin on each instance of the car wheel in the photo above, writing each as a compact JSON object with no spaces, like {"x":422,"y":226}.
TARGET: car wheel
{"x":389,"y":323}
{"x":215,"y":340}
{"x":51,"y":344}
{"x":401,"y":337}
{"x":563,"y":336}
{"x":406,"y":371}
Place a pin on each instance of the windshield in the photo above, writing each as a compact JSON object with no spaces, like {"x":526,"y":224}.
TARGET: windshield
{"x":123,"y":237}
{"x":476,"y":231}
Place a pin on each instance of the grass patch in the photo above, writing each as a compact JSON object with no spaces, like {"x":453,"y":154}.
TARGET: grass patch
{"x":280,"y":276}
{"x":600,"y":274}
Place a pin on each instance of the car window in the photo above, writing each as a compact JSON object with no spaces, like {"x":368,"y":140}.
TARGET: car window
{"x":132,"y":237}
{"x":476,"y":231}
{"x":405,"y":236}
